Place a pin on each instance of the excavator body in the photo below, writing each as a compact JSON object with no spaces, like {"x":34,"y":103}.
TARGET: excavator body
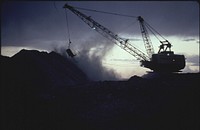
{"x":165,"y":61}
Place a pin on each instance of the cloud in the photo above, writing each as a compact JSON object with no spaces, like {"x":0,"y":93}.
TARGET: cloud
{"x":24,"y":21}
{"x":89,"y":58}
{"x":191,"y":69}
{"x":193,"y":60}
{"x":189,"y":39}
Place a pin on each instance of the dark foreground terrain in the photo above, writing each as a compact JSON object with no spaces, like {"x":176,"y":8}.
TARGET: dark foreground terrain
{"x":45,"y":91}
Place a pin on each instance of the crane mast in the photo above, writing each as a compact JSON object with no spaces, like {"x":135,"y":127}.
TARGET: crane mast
{"x":147,"y":42}
{"x":121,"y":42}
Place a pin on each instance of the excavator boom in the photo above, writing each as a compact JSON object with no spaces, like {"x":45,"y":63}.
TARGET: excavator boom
{"x":121,"y":42}
{"x":164,"y":61}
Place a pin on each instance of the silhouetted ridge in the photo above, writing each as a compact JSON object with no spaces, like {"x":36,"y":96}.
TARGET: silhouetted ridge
{"x":43,"y":91}
{"x":42,"y":68}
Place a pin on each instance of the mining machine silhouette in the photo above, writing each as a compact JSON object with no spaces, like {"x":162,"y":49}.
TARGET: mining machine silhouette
{"x":163,"y":61}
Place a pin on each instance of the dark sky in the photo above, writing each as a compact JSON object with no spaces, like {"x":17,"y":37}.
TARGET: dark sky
{"x":43,"y":23}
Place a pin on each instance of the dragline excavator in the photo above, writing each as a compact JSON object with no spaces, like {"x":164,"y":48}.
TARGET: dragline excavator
{"x":164,"y":61}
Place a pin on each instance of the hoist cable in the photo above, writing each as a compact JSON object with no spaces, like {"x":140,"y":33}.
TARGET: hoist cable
{"x":68,"y":28}
{"x":124,"y":15}
{"x":152,"y":32}
{"x":55,"y":5}
{"x":128,"y":26}
{"x":155,"y":31}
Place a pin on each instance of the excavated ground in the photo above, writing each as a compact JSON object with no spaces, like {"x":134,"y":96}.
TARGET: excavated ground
{"x":44,"y":91}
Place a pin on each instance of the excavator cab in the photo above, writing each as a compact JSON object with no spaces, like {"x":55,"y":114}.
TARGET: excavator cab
{"x":165,"y":60}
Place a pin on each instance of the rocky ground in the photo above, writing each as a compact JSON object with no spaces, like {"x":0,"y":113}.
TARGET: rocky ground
{"x":42,"y":91}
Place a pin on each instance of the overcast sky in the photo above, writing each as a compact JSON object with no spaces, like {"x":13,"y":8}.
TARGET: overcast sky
{"x":24,"y":22}
{"x":42,"y":24}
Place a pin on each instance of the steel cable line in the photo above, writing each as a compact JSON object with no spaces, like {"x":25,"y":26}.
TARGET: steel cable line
{"x":128,"y":26}
{"x":124,"y":15}
{"x":68,"y":28}
{"x":151,"y":28}
{"x":152,"y":32}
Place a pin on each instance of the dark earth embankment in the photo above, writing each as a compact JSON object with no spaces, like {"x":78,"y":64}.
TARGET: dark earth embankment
{"x":42,"y":91}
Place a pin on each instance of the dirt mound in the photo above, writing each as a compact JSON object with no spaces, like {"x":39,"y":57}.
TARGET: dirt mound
{"x":31,"y":67}
{"x":43,"y":90}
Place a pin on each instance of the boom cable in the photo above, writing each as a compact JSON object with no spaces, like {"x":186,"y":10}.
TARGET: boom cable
{"x":151,"y":28}
{"x":124,"y":15}
{"x":153,"y":32}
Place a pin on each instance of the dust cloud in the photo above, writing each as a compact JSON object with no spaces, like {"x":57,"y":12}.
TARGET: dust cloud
{"x":89,"y":58}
